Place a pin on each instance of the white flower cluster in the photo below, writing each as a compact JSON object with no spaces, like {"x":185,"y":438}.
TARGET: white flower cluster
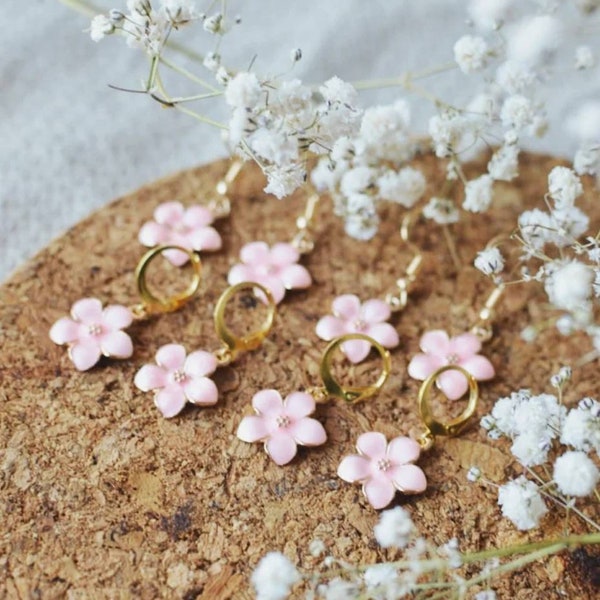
{"x":538,"y":425}
{"x":274,"y":577}
{"x":370,"y":167}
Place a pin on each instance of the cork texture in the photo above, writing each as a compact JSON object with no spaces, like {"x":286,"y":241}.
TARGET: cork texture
{"x":101,"y":497}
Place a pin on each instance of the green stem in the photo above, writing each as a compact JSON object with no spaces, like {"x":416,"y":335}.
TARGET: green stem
{"x":403,"y":80}
{"x":182,"y":71}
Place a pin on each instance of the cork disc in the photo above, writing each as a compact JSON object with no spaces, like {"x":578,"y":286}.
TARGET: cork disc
{"x":104,"y":498}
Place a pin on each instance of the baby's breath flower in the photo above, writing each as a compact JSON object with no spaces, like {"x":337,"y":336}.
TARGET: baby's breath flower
{"x":447,"y":131}
{"x":489,"y":14}
{"x":100,"y":27}
{"x":362,"y":221}
{"x":336,"y":91}
{"x":274,"y":577}
{"x":522,"y":503}
{"x":212,"y":61}
{"x":489,"y":261}
{"x":474,"y":474}
{"x":478,"y":194}
{"x":569,"y":284}
{"x":394,"y":529}
{"x":243,"y":90}
{"x":382,"y":581}
{"x":471,"y":53}
{"x":214,"y":23}
{"x":564,"y":186}
{"x":575,"y":474}
{"x":581,"y":428}
{"x":587,"y":160}
{"x":504,"y":164}
{"x":296,"y":54}
{"x":441,"y":210}
{"x":563,"y":376}
{"x":514,"y":77}
{"x":517,"y":111}
{"x":533,"y":40}
{"x":404,"y":187}
{"x":339,"y":589}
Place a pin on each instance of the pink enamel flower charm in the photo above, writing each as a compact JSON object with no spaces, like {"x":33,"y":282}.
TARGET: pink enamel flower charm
{"x":274,"y":267}
{"x":440,"y":350}
{"x":175,"y":225}
{"x":177,"y":379}
{"x":384,"y":468}
{"x":350,"y":316}
{"x":282,"y":425}
{"x":91,"y":332}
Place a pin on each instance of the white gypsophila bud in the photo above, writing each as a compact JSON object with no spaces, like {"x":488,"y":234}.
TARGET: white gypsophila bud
{"x":489,"y":261}
{"x":274,"y":577}
{"x":296,"y":55}
{"x":243,"y":91}
{"x":536,"y":228}
{"x":474,"y":474}
{"x":100,"y":27}
{"x":471,"y":53}
{"x":563,"y":376}
{"x":564,"y":186}
{"x":565,"y":324}
{"x":115,"y":15}
{"x":569,"y":284}
{"x":212,"y":61}
{"x":441,"y":210}
{"x":533,"y":40}
{"x":587,"y":161}
{"x":357,"y":181}
{"x":361,"y":219}
{"x":584,"y":123}
{"x":394,"y":529}
{"x":222,"y":76}
{"x":489,"y":14}
{"x":325,"y":176}
{"x":522,"y":503}
{"x":335,"y":90}
{"x":581,"y":427}
{"x":584,"y":58}
{"x":575,"y":474}
{"x":404,"y":187}
{"x":529,"y":334}
{"x":514,"y":77}
{"x":517,"y":111}
{"x":214,"y":23}
{"x":504,"y":164}
{"x":179,"y":12}
{"x":478,"y":194}
{"x":382,"y":581}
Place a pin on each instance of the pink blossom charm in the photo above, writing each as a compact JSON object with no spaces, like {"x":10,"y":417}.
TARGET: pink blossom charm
{"x":384,"y":468}
{"x":276,"y":268}
{"x":350,"y":316}
{"x":282,"y":424}
{"x":177,"y":379}
{"x":462,"y":350}
{"x":175,"y":225}
{"x":92,"y":332}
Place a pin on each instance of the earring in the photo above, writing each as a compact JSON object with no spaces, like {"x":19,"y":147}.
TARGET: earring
{"x":350,"y":315}
{"x":191,"y":228}
{"x":93,"y":331}
{"x":281,"y":425}
{"x":276,"y":267}
{"x":178,"y":377}
{"x":384,"y":468}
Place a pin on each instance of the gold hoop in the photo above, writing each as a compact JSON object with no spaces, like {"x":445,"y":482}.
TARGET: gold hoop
{"x":150,"y":303}
{"x":252,"y":340}
{"x":357,"y":393}
{"x":454,"y":426}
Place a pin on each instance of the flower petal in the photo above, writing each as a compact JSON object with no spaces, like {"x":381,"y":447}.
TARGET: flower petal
{"x":169,"y":213}
{"x":87,"y":310}
{"x":465,"y":345}
{"x":170,"y":401}
{"x":372,"y":444}
{"x":402,"y":450}
{"x":295,"y":277}
{"x":268,"y":402}
{"x":423,"y":365}
{"x":375,"y":311}
{"x":201,"y":390}
{"x":206,"y":238}
{"x":240,"y":273}
{"x":385,"y":334}
{"x":299,"y":405}
{"x":171,"y":356}
{"x":379,"y":492}
{"x":283,"y":254}
{"x":152,"y":234}
{"x":281,"y":448}
{"x":480,"y":367}
{"x":308,"y":432}
{"x":346,"y":306}
{"x":116,"y":344}
{"x":274,"y":285}
{"x":354,"y":468}
{"x":330,"y":327}
{"x":176,"y":257}
{"x":435,"y":342}
{"x":116,"y":317}
{"x":85,"y":354}
{"x":453,"y":383}
{"x":252,"y":428}
{"x":255,"y":253}
{"x":64,"y":331}
{"x":409,"y":479}
{"x":200,"y":364}
{"x":150,"y":377}
{"x":197,"y":217}
{"x":356,"y":350}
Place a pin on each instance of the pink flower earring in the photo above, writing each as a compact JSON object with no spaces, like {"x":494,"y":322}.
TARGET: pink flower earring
{"x":178,"y":378}
{"x":190,"y":228}
{"x":384,"y":468}
{"x":276,"y":267}
{"x":93,"y":331}
{"x":283,"y":425}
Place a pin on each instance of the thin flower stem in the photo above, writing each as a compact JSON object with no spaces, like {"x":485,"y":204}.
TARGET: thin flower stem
{"x":370,"y":84}
{"x":451,"y":247}
{"x":182,"y":71}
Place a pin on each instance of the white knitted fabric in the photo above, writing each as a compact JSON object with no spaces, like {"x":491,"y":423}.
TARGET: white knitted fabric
{"x":69,"y":144}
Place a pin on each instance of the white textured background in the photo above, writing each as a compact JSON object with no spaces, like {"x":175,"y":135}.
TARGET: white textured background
{"x":69,"y":144}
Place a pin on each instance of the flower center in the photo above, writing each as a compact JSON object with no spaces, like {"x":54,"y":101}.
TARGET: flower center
{"x":179,"y":376}
{"x":94,"y":329}
{"x":268,"y":269}
{"x":383,"y":464}
{"x":452,"y":359}
{"x":282,"y":421}
{"x":359,"y":324}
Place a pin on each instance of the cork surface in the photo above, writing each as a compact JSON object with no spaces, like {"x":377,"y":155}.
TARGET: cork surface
{"x":101,"y":497}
